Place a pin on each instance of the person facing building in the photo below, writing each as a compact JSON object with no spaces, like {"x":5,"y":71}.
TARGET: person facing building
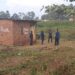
{"x":31,"y":38}
{"x":57,"y":37}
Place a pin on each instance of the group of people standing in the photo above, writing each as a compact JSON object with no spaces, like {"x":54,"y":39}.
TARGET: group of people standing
{"x":50,"y":37}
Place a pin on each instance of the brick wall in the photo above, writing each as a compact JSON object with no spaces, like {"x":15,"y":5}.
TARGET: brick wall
{"x":15,"y":32}
{"x":6,"y":36}
{"x":21,"y":32}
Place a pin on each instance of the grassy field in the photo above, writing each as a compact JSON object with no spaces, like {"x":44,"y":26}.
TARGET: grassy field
{"x":67,"y":29}
{"x":42,"y":59}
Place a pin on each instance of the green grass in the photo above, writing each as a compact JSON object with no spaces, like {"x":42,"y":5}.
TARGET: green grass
{"x":56,"y":24}
{"x":66,"y":28}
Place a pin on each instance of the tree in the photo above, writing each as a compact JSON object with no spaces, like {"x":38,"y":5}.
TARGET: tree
{"x":44,"y":17}
{"x":54,"y":12}
{"x":26,"y":17}
{"x":61,"y":12}
{"x":15,"y":16}
{"x":7,"y":14}
{"x":21,"y":15}
{"x":4,"y":15}
{"x":36,"y":18}
{"x":18,"y":16}
{"x":31,"y":15}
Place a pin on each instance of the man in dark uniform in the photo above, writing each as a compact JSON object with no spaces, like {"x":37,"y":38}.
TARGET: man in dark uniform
{"x":50,"y":36}
{"x":31,"y":38}
{"x":57,"y":37}
{"x":42,"y":37}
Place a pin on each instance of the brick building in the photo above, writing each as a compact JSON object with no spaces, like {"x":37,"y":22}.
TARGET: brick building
{"x":16,"y":32}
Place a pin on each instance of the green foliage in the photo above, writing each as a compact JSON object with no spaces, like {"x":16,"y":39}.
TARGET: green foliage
{"x":18,"y":16}
{"x":34,"y":71}
{"x":60,"y":12}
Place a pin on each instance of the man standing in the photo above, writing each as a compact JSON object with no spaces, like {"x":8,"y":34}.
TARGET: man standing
{"x":50,"y":36}
{"x":42,"y":37}
{"x":31,"y":38}
{"x":57,"y":37}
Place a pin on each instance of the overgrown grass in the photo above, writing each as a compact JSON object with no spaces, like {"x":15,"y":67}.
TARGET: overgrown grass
{"x":55,"y":62}
{"x":56,"y":24}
